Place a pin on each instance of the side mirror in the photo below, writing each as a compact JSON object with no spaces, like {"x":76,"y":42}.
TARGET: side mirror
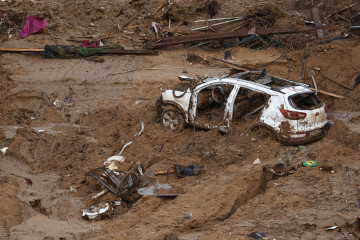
{"x":184,"y":78}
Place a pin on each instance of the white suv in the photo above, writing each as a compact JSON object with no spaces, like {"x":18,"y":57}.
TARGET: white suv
{"x":288,"y":111}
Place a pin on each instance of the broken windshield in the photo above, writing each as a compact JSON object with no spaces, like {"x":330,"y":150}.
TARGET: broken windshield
{"x":305,"y":101}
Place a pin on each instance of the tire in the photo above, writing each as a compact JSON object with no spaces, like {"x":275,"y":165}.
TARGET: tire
{"x":173,"y":119}
{"x":264,"y":132}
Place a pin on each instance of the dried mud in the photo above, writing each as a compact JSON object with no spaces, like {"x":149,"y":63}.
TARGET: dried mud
{"x":62,"y":118}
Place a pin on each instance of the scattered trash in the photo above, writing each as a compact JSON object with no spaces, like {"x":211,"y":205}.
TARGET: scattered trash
{"x":126,"y":145}
{"x":189,"y":170}
{"x":357,"y":80}
{"x":346,"y":209}
{"x":332,"y":228}
{"x":333,"y":39}
{"x":100,"y":194}
{"x":3,"y":150}
{"x":142,"y":128}
{"x":155,"y":190}
{"x":355,"y":24}
{"x":310,"y":163}
{"x":227,"y":55}
{"x":97,"y":213}
{"x":56,"y":103}
{"x":189,"y":215}
{"x":302,"y":148}
{"x":114,"y":158}
{"x":254,"y":42}
{"x":257,"y":235}
{"x":257,"y":161}
{"x":72,"y":189}
{"x":89,"y":44}
{"x":124,"y":183}
{"x":32,"y":25}
{"x":227,"y":35}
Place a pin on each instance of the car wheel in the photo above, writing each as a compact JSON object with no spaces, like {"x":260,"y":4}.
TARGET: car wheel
{"x":264,"y":132}
{"x":173,"y":119}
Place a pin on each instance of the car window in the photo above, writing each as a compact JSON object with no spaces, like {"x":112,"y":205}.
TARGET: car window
{"x":305,"y":101}
{"x":211,"y":102}
{"x":247,"y":102}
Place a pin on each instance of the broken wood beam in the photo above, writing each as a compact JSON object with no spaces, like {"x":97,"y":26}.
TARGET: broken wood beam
{"x":121,"y":51}
{"x":22,"y":50}
{"x":329,"y":93}
{"x":226,"y":35}
{"x":105,"y":51}
{"x":233,"y":65}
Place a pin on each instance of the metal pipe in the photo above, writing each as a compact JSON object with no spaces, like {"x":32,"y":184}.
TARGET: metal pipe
{"x":216,"y":24}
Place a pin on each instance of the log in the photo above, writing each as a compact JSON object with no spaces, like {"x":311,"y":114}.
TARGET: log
{"x":227,"y":35}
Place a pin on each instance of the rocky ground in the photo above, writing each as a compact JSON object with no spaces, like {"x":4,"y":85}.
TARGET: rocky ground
{"x":60,"y":118}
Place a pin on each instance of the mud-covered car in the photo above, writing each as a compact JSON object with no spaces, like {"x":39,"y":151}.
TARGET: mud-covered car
{"x":288,"y":111}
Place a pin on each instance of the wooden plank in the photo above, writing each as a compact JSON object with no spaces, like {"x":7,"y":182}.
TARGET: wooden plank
{"x":22,"y":50}
{"x":227,"y":35}
{"x":233,"y":65}
{"x":329,"y":93}
{"x":121,"y":51}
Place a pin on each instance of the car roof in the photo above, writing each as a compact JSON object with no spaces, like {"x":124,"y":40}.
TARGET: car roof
{"x":286,"y":90}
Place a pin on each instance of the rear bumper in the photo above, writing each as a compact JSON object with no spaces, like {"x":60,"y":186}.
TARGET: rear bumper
{"x":306,"y":137}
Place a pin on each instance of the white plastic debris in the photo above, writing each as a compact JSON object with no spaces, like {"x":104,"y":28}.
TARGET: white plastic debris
{"x":114,"y":158}
{"x":96,"y":213}
{"x":100,"y":194}
{"x":72,"y":189}
{"x":111,"y":162}
{"x":3,"y":150}
{"x":332,"y":228}
{"x":189,"y":215}
{"x":129,"y":143}
{"x":257,"y":161}
{"x":56,"y":103}
{"x":41,"y":131}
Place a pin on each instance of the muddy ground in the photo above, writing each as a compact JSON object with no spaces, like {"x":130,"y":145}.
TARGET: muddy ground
{"x":61,"y":118}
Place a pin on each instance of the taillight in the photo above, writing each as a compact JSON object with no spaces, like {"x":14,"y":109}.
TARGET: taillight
{"x":292,"y":115}
{"x":325,"y":108}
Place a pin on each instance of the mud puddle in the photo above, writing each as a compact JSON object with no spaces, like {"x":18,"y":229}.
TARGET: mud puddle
{"x":46,"y":211}
{"x":351,"y":119}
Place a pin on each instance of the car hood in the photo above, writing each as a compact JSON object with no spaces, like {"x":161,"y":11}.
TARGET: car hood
{"x":182,"y":102}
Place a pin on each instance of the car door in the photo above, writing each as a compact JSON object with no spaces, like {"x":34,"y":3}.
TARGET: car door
{"x":212,"y":105}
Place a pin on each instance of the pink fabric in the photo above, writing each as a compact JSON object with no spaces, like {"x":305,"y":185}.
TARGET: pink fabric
{"x":32,"y":25}
{"x":86,"y":44}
